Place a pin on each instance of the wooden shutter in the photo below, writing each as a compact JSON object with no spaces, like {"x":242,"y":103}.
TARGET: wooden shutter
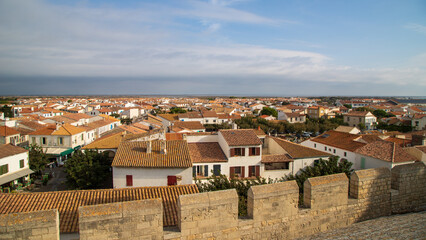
{"x":129,"y":180}
{"x":206,"y":170}
{"x":243,"y":171}
{"x":243,"y":151}
{"x":232,"y":172}
{"x":194,"y":171}
{"x":250,"y":152}
{"x":257,"y":151}
{"x":257,"y":171}
{"x":232,"y":152}
{"x":250,"y":171}
{"x":216,"y":170}
{"x":171,"y":180}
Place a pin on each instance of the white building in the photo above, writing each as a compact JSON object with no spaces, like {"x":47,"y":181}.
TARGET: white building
{"x":14,"y":165}
{"x":355,"y":118}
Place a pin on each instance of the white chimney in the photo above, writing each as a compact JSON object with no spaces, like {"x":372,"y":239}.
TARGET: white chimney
{"x":163,"y":147}
{"x":148,"y":146}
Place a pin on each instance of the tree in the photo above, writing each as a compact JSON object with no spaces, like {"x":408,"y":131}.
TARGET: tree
{"x":37,"y":158}
{"x":380,"y":113}
{"x":87,"y":170}
{"x":7,"y":111}
{"x":269,"y":111}
{"x":361,"y":126}
{"x":116,"y":115}
{"x":174,"y":110}
{"x":347,"y":106}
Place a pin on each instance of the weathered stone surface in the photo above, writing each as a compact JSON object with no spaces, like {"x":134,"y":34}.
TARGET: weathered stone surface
{"x":326,"y":191}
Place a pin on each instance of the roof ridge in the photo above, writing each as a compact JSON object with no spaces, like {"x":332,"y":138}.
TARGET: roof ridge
{"x":393,"y":152}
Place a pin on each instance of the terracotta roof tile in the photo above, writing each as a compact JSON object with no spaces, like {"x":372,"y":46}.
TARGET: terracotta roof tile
{"x":339,"y":140}
{"x":386,"y":151}
{"x":240,"y":137}
{"x":7,"y":131}
{"x":68,"y":129}
{"x":67,"y":202}
{"x":276,"y":158}
{"x":192,"y":125}
{"x":298,"y":151}
{"x":170,"y":117}
{"x":206,"y":152}
{"x":134,"y":154}
{"x":7,"y":150}
{"x":108,"y":142}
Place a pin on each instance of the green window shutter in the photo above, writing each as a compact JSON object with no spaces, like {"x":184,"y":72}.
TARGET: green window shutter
{"x":194,"y":171}
{"x":206,"y":170}
{"x":21,"y":163}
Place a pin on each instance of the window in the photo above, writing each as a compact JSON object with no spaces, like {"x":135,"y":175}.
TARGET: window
{"x":236,"y":172}
{"x":315,"y":145}
{"x":277,"y":166}
{"x":360,"y":119}
{"x":21,"y":163}
{"x":216,"y":170}
{"x":4,"y":169}
{"x":334,"y":151}
{"x":60,"y":140}
{"x":214,"y":121}
{"x":348,"y":119}
{"x":325,"y":148}
{"x":344,"y":154}
{"x":129,"y":180}
{"x":254,"y":151}
{"x":82,"y":137}
{"x":33,"y":140}
{"x":43,"y":140}
{"x":207,"y":120}
{"x":254,"y":171}
{"x":238,"y":152}
{"x":200,"y":171}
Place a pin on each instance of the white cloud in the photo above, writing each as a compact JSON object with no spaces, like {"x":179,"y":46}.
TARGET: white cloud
{"x":37,"y":38}
{"x":416,"y":27}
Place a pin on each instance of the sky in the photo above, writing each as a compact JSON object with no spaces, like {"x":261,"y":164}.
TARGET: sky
{"x":213,"y":47}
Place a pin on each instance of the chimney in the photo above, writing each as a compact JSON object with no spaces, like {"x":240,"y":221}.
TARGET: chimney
{"x":148,"y":146}
{"x":163,"y":147}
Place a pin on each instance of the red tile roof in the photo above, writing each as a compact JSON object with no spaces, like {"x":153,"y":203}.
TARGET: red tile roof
{"x":386,"y":151}
{"x":7,"y":131}
{"x":134,"y":154}
{"x":67,"y":202}
{"x":206,"y":152}
{"x":240,"y":137}
{"x":298,"y":151}
{"x":7,"y":150}
{"x":192,"y":125}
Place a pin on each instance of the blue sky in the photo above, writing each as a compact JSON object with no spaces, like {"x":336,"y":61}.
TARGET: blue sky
{"x":235,"y":47}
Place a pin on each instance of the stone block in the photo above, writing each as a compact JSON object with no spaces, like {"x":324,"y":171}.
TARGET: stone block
{"x":326,"y":191}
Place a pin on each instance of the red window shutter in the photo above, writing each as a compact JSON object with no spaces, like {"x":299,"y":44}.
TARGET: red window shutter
{"x":171,"y":180}
{"x":232,"y":172}
{"x":129,"y":180}
{"x":250,"y":151}
{"x":250,"y":171}
{"x":232,"y":152}
{"x":243,"y":151}
{"x":243,"y":171}
{"x":257,"y":151}
{"x":257,"y":171}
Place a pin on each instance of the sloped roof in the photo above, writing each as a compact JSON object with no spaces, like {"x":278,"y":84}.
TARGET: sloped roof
{"x":193,"y":125}
{"x":386,"y":151}
{"x":298,"y":151}
{"x":67,"y":202}
{"x":240,"y":137}
{"x":170,"y":117}
{"x":7,"y":150}
{"x":7,"y":131}
{"x":206,"y":152}
{"x":68,"y":129}
{"x":107,"y":142}
{"x":276,"y":158}
{"x":134,"y":154}
{"x":339,"y":140}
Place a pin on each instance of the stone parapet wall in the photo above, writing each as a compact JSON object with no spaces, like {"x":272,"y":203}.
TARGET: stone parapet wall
{"x":43,"y":225}
{"x":408,"y":188}
{"x":126,"y":220}
{"x":331,"y":201}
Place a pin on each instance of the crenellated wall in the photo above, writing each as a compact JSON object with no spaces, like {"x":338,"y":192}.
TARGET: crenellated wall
{"x":331,"y":202}
{"x":33,"y":225}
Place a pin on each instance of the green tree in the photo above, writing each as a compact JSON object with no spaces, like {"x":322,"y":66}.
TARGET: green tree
{"x":88,"y":170}
{"x":347,"y":106}
{"x":175,"y":110}
{"x":361,"y":126}
{"x":116,"y":115}
{"x":269,"y":111}
{"x":380,"y":113}
{"x":37,"y":159}
{"x":7,"y":111}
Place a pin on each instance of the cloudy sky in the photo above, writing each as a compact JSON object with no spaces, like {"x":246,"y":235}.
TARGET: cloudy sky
{"x":226,"y":47}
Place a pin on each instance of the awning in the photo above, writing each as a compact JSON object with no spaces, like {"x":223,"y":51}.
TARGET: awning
{"x":59,"y":151}
{"x":12,"y":176}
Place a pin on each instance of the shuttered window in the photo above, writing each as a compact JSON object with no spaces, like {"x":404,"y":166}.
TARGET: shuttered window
{"x":129,"y":180}
{"x":21,"y":163}
{"x":4,"y":169}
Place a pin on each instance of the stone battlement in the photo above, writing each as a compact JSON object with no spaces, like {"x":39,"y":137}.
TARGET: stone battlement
{"x":331,"y":202}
